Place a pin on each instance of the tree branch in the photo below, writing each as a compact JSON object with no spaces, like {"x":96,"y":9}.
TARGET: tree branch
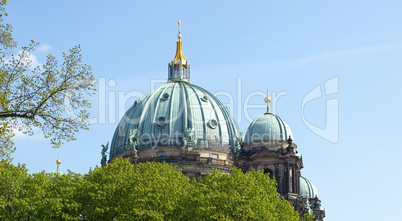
{"x":27,"y":115}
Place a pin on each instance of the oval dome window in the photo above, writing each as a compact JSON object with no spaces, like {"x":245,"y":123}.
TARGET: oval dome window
{"x":204,"y":98}
{"x":212,"y":123}
{"x":165,"y":96}
{"x":162,"y":121}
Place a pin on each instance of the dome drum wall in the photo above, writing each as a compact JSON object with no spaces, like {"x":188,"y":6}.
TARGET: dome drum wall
{"x":177,"y":114}
{"x":273,"y":145}
{"x":178,"y":152}
{"x":193,"y":164}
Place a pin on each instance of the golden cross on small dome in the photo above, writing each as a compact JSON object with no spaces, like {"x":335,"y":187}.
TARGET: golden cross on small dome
{"x":179,"y":23}
{"x":58,"y":162}
{"x":267,"y":100}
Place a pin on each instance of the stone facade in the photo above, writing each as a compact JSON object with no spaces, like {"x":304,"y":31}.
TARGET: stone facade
{"x":193,"y":163}
{"x":279,"y":159}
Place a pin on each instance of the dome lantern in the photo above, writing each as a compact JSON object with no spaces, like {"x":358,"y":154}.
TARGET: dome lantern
{"x":179,"y":68}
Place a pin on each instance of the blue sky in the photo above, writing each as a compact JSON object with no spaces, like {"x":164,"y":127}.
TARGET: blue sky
{"x":296,"y":49}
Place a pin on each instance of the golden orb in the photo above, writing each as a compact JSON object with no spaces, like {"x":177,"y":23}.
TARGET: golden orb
{"x":267,"y":99}
{"x":179,"y":36}
{"x":58,"y":161}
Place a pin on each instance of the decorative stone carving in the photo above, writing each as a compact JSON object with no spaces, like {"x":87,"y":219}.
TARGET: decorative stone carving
{"x":190,"y":134}
{"x":103,"y":152}
{"x":188,"y":138}
{"x":132,"y":140}
{"x":238,"y":143}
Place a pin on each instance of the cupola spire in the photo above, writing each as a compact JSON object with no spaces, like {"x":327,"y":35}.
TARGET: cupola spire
{"x":179,"y":68}
{"x":57,"y":171}
{"x":179,"y":24}
{"x":58,"y":162}
{"x":267,"y":100}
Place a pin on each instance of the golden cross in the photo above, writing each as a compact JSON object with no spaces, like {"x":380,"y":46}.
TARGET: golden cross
{"x":179,"y":25}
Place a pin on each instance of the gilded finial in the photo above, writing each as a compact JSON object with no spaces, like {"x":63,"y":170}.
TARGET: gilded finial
{"x":179,"y":23}
{"x":267,"y":100}
{"x":179,"y":68}
{"x":179,"y":49}
{"x":58,"y":162}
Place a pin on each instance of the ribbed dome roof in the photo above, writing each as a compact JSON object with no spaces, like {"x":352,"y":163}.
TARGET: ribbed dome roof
{"x":164,"y":117}
{"x":267,"y":127}
{"x":306,"y":187}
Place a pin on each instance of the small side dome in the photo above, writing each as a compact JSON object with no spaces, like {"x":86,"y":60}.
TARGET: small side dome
{"x":267,"y":127}
{"x":57,"y":171}
{"x":307,"y":188}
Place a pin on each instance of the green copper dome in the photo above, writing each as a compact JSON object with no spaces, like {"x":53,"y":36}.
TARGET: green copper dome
{"x":307,"y":188}
{"x":267,"y":127}
{"x":174,"y":114}
{"x":177,"y":114}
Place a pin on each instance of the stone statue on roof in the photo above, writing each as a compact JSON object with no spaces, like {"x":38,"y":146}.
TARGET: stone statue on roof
{"x":103,"y":152}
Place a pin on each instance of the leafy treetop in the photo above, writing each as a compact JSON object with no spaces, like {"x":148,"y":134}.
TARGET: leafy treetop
{"x":146,"y":191}
{"x":49,"y":96}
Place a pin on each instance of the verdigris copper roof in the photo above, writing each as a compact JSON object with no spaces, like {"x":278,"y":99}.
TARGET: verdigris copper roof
{"x":307,"y":188}
{"x":267,"y":127}
{"x":174,"y":114}
{"x":177,"y":114}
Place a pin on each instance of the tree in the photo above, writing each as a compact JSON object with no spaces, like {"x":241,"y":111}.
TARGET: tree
{"x":123,"y":191}
{"x":158,"y":191}
{"x":146,"y":191}
{"x":12,"y":181}
{"x":37,"y":96}
{"x":38,"y":196}
{"x":238,"y":196}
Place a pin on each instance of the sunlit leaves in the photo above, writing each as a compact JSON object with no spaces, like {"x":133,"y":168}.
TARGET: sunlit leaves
{"x":148,"y":191}
{"x":238,"y":196}
{"x":39,"y":96}
{"x":39,"y":196}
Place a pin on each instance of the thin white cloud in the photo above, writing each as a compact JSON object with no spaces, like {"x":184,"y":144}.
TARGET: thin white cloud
{"x":342,"y":53}
{"x":44,"y":47}
{"x":19,"y":134}
{"x":32,"y":58}
{"x":311,"y":59}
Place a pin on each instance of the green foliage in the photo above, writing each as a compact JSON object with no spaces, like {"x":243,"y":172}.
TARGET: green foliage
{"x":6,"y":40}
{"x":238,"y":196}
{"x":122,"y":191}
{"x":39,"y":196}
{"x":41,"y":96}
{"x":308,"y":217}
{"x":148,"y":191}
{"x":6,"y":142}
